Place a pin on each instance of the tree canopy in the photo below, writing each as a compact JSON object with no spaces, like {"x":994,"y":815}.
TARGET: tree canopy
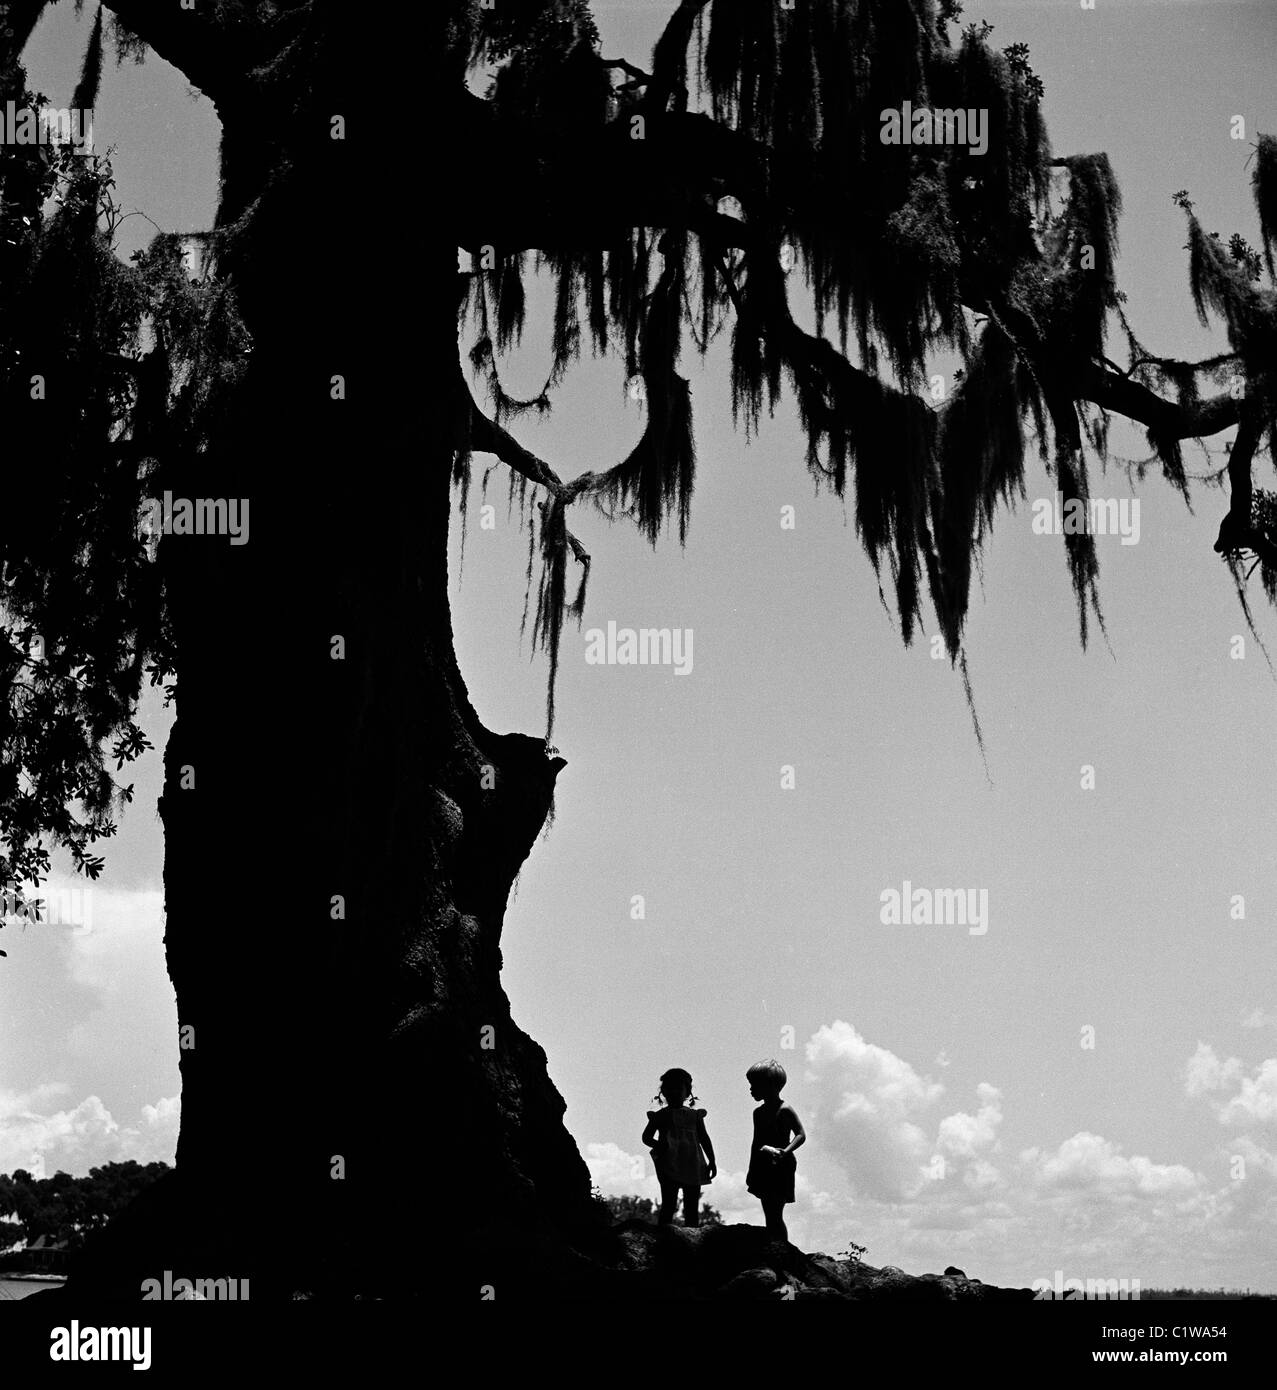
{"x":740,"y":185}
{"x":68,"y":1209}
{"x":748,"y":189}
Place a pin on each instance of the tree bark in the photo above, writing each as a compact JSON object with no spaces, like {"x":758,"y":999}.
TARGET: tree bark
{"x":360,"y":1114}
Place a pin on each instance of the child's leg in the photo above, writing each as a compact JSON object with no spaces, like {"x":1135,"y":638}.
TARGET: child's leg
{"x":669,"y":1201}
{"x":691,"y":1206}
{"x":774,"y":1215}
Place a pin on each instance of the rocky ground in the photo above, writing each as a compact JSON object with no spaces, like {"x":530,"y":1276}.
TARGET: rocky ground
{"x":714,"y":1263}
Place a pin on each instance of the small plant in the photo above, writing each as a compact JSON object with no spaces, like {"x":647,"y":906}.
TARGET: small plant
{"x":1245,"y":255}
{"x":1017,"y":55}
{"x":853,"y":1254}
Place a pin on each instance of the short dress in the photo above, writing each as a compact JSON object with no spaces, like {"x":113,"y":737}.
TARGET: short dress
{"x":678,"y":1158}
{"x":772,"y":1179}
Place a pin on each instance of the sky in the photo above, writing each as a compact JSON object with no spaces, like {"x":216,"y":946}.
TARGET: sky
{"x":1089,"y":1084}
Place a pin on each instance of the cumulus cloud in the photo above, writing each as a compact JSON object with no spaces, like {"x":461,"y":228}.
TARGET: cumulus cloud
{"x":869,"y":1102}
{"x":1204,"y":1071}
{"x":1235,"y":1097}
{"x":1088,"y":1163}
{"x":926,"y":1188}
{"x":965,"y":1136}
{"x":615,"y":1173}
{"x":43,"y":1141}
{"x":924,"y":1183}
{"x":1255,"y":1155}
{"x":874,"y":1117}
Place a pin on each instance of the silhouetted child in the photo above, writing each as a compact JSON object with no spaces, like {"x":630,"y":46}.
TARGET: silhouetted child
{"x":777,"y":1133}
{"x":676,"y":1136}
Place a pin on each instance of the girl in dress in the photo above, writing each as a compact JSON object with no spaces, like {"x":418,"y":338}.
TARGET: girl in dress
{"x":681,"y":1148}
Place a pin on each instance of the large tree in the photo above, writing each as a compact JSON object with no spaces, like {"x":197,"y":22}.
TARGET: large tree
{"x":341,"y":830}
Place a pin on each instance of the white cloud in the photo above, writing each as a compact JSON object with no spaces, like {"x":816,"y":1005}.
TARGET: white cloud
{"x":81,"y":1138}
{"x":1205,"y":1072}
{"x":1253,"y":1099}
{"x":1086,"y":1163}
{"x":963,"y":1135}
{"x":867,"y":1109}
{"x":619,"y":1174}
{"x":1084,"y":1205}
{"x":1256,"y":1155}
{"x":1256,"y":1098}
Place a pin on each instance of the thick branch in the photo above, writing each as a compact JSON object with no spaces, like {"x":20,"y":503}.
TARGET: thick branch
{"x":588,"y":192}
{"x":1236,"y":531}
{"x":641,"y":78}
{"x":673,"y":178}
{"x":215,"y":49}
{"x":1167,"y":419}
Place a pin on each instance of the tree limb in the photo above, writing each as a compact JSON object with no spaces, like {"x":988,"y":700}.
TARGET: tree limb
{"x":215,"y":48}
{"x":1167,"y":419}
{"x":490,"y":438}
{"x":641,"y":78}
{"x":1236,"y":531}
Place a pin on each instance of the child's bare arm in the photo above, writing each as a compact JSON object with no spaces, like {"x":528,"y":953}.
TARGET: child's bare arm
{"x":653,"y":1124}
{"x":707,"y":1145}
{"x":796,"y":1127}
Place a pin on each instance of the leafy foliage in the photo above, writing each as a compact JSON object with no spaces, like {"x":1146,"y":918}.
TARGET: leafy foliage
{"x":67,"y":1209}
{"x":837,"y":265}
{"x":644,"y":1209}
{"x":104,"y":368}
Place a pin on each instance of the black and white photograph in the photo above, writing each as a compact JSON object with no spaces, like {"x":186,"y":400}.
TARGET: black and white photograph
{"x":639,"y":659}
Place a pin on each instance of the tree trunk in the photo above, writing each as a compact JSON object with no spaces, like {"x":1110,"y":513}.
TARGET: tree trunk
{"x":360,"y":1114}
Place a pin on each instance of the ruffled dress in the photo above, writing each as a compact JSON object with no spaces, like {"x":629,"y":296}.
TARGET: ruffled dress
{"x":677,"y":1156}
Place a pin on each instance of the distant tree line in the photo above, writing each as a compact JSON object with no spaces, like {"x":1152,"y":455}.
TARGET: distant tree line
{"x":644,"y":1209}
{"x":67,"y":1209}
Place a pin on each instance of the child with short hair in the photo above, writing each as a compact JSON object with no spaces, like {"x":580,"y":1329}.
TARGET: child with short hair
{"x":676,"y":1136}
{"x":777,"y":1133}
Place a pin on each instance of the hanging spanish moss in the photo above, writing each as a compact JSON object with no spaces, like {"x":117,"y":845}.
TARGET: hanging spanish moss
{"x":893,"y":231}
{"x":1083,"y":244}
{"x":85,"y":97}
{"x":981,"y":466}
{"x":1264,"y":186}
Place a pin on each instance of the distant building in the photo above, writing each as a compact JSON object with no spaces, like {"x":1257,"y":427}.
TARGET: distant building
{"x":45,"y":1255}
